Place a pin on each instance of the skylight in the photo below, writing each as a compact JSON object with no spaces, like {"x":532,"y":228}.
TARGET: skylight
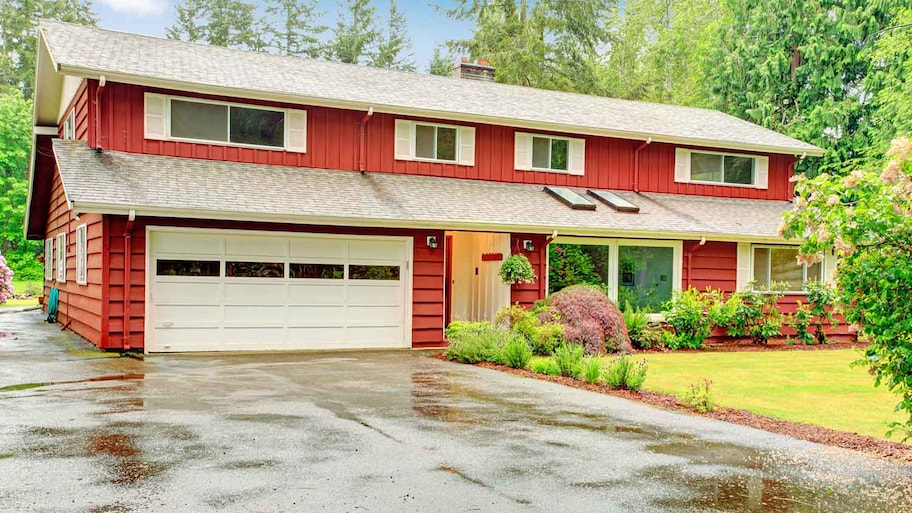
{"x":570,"y":198}
{"x":614,"y":201}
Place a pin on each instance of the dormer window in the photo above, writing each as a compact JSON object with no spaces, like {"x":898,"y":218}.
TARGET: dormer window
{"x":214,"y":122}
{"x":716,"y":168}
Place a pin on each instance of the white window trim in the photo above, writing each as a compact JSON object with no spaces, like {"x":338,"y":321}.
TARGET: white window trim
{"x":803,"y":290}
{"x":49,"y":268}
{"x":613,"y":283}
{"x":81,"y":255}
{"x":756,"y":181}
{"x":69,"y":125}
{"x":414,"y":142}
{"x":61,"y":257}
{"x":285,"y":142}
{"x":571,"y":156}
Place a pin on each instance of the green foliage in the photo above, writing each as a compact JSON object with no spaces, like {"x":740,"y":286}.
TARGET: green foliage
{"x":229,"y":23}
{"x":657,"y":338}
{"x":473,"y":342}
{"x":591,"y":368}
{"x":393,"y":46}
{"x":571,"y":264}
{"x":637,"y":322}
{"x":355,"y":33}
{"x":546,"y":366}
{"x":750,"y":313}
{"x":547,"y":337}
{"x":800,"y":320}
{"x":589,"y":318}
{"x":822,"y":298}
{"x":624,"y":373}
{"x":517,"y":269}
{"x":569,"y":359}
{"x":890,"y":81}
{"x":516,"y":352}
{"x":442,"y":62}
{"x":293,"y":28}
{"x":542,"y":337}
{"x":867,"y":218}
{"x":687,"y":314}
{"x":699,"y":396}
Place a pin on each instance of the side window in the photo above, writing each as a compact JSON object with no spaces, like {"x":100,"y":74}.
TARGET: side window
{"x":727,"y":169}
{"x":81,"y":256}
{"x":550,"y":154}
{"x":49,"y":259}
{"x":61,"y":258}
{"x":774,"y":264}
{"x":447,"y":144}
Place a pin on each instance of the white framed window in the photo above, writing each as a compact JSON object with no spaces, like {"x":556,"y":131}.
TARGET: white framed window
{"x":223,"y":123}
{"x":435,"y":142}
{"x":61,"y":258}
{"x":81,"y":255}
{"x":643,"y":272}
{"x":717,"y":168}
{"x":550,"y":154}
{"x":69,"y":125}
{"x":779,"y":264}
{"x":49,"y":259}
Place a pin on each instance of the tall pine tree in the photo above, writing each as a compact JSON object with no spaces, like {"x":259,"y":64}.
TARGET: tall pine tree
{"x":230,"y":23}
{"x":393,"y":47}
{"x":293,"y":28}
{"x":355,"y":33}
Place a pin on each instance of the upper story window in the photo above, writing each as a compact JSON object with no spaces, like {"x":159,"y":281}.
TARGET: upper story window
{"x":69,"y":126}
{"x":550,"y":154}
{"x":213,"y":122}
{"x":715,"y":168}
{"x":779,"y":264}
{"x":448,"y":144}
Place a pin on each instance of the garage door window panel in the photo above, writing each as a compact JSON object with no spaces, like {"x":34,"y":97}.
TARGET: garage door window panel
{"x":254,"y":269}
{"x":317,"y":271}
{"x":374,"y":272}
{"x":201,"y":268}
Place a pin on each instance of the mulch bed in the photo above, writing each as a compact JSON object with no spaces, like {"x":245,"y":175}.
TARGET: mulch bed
{"x":748,"y":347}
{"x":892,"y":451}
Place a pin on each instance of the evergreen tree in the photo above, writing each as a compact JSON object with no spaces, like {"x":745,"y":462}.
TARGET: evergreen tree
{"x":230,"y":23}
{"x":441,"y":63}
{"x":890,"y":78}
{"x":15,"y":142}
{"x":294,"y":29}
{"x":18,"y":35}
{"x":355,"y":33}
{"x":393,"y":46}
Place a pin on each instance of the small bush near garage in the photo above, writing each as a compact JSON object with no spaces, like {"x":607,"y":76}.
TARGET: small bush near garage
{"x":569,"y":359}
{"x":473,"y":342}
{"x":543,"y":337}
{"x":590,"y":319}
{"x":625,"y":374}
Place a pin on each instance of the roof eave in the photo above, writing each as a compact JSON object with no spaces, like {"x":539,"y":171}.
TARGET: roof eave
{"x":78,"y":71}
{"x":95,"y":207}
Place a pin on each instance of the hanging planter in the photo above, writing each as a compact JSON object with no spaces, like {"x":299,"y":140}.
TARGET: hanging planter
{"x":517,"y":269}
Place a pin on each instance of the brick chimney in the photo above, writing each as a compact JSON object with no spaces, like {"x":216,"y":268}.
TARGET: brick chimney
{"x":478,"y":70}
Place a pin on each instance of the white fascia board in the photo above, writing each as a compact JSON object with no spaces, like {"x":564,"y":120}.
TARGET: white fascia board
{"x":141,"y":211}
{"x":445,"y":115}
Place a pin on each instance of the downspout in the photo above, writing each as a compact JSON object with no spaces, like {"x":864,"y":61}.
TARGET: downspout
{"x":690,"y":255}
{"x":362,"y":141}
{"x":101,"y":85}
{"x":636,"y":164}
{"x":128,"y":279}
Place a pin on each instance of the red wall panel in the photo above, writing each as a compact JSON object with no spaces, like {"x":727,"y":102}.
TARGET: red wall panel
{"x":333,"y":143}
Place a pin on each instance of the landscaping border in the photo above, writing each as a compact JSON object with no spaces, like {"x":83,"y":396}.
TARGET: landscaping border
{"x":891,"y":451}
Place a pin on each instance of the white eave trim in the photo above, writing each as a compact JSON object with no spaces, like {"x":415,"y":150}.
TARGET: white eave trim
{"x":45,"y":130}
{"x":572,"y":231}
{"x":428,"y":113}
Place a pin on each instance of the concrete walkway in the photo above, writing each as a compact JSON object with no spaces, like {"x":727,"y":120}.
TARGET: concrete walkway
{"x":379,"y":432}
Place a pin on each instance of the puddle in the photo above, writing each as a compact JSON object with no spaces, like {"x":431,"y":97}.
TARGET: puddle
{"x":113,"y":377}
{"x":123,"y":459}
{"x":712,"y":453}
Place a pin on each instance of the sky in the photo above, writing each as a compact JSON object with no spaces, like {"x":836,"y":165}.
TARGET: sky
{"x":427,"y":26}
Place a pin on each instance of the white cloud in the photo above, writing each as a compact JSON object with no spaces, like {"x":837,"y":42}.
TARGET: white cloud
{"x":138,"y":7}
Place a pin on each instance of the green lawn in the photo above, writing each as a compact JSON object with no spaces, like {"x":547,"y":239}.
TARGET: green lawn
{"x":812,"y":387}
{"x":32,"y":288}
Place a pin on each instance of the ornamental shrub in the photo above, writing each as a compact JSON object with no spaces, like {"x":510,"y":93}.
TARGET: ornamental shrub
{"x":625,"y":374}
{"x":822,"y":298}
{"x":637,"y":322}
{"x":543,"y":338}
{"x":751,"y":313}
{"x":473,"y":342}
{"x":687,"y":314}
{"x":591,"y":369}
{"x":516,"y":352}
{"x":589,"y":318}
{"x":517,"y":269}
{"x":800,"y":321}
{"x":545,"y":366}
{"x":6,"y":281}
{"x":569,"y":359}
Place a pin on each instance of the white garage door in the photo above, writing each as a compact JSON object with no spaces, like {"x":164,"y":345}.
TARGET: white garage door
{"x":213,"y":290}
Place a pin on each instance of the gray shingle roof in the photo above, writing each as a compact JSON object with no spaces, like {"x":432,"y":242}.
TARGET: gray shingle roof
{"x":90,"y":51}
{"x":152,"y":185}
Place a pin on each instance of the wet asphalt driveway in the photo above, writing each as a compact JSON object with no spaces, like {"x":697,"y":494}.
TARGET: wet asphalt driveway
{"x":379,"y":432}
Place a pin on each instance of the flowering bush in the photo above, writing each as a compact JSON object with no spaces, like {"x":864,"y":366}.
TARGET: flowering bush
{"x":867,"y":217}
{"x":6,"y":281}
{"x":589,"y":318}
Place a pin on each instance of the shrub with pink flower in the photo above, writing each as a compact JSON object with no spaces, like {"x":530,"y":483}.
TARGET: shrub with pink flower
{"x":589,"y":319}
{"x":6,"y":281}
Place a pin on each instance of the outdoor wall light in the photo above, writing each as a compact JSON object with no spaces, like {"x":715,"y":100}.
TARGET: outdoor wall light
{"x":527,"y":245}
{"x":432,"y":241}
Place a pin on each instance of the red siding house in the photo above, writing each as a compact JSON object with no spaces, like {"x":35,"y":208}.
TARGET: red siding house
{"x":196,"y":198}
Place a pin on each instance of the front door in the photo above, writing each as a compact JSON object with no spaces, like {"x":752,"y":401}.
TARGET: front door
{"x":475,"y":290}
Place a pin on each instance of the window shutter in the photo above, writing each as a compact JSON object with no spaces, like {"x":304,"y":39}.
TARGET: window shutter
{"x":522,"y":156}
{"x":81,"y":261}
{"x":762,"y":173}
{"x":296,"y":131}
{"x":829,"y":267}
{"x":744,"y":265}
{"x":61,"y":257}
{"x":467,"y":146}
{"x":577,"y":160}
{"x":156,"y":118}
{"x":404,"y":139}
{"x":682,"y":165}
{"x":49,"y":259}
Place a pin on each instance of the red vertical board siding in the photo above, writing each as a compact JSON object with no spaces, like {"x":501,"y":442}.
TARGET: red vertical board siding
{"x":714,"y":264}
{"x":334,"y":143}
{"x":427,"y":274}
{"x":79,"y":305}
{"x":526,"y":294}
{"x":80,"y":104}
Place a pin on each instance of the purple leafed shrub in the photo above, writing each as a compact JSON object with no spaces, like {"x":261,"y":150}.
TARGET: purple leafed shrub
{"x":6,"y":281}
{"x":589,"y":319}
